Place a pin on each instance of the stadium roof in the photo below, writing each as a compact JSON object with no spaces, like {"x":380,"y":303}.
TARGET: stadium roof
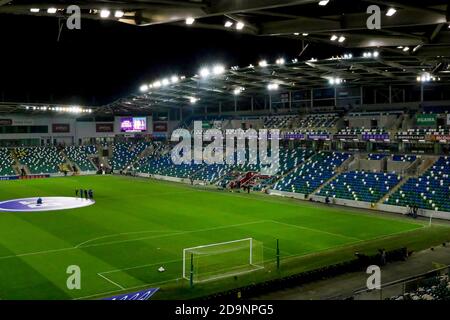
{"x":371,"y":68}
{"x":403,"y":22}
{"x":214,"y":84}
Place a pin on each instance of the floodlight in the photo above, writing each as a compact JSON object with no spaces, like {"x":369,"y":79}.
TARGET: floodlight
{"x":218,"y":69}
{"x":104,"y":13}
{"x":240,"y":25}
{"x":391,"y":12}
{"x":119,"y":14}
{"x":190,"y":21}
{"x":51,"y":10}
{"x":204,"y":72}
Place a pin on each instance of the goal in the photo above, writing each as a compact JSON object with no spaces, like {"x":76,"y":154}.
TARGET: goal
{"x":221,"y":260}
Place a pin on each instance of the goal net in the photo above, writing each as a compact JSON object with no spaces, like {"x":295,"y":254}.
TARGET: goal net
{"x":220,"y":260}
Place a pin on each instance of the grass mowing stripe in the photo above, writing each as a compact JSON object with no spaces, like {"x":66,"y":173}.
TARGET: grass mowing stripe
{"x":128,"y":240}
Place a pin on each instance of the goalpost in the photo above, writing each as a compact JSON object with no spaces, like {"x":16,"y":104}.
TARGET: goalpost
{"x":221,"y":260}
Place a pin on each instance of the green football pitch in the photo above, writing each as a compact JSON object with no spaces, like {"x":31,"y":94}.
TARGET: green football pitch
{"x":138,"y":225}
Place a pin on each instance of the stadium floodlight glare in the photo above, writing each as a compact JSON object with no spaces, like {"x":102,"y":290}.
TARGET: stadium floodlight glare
{"x":296,"y":33}
{"x":425,"y":77}
{"x":335,"y":81}
{"x":333,"y":37}
{"x":305,"y":34}
{"x":35,"y":10}
{"x":52,"y":10}
{"x":174,"y":79}
{"x":218,"y":69}
{"x":165,"y":82}
{"x":119,"y":14}
{"x":323,"y":2}
{"x":391,"y":12}
{"x":193,"y":100}
{"x":376,"y":54}
{"x":238,"y":91}
{"x":240,"y":25}
{"x":405,"y":49}
{"x":273,"y":86}
{"x":228,"y":24}
{"x":263,"y":63}
{"x":204,"y":72}
{"x":341,"y":39}
{"x":190,"y":21}
{"x":143,"y":88}
{"x":280,"y":61}
{"x":105,"y":13}
{"x":157,"y":84}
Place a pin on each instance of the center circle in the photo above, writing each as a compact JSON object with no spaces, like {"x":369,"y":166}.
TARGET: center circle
{"x":48,"y":204}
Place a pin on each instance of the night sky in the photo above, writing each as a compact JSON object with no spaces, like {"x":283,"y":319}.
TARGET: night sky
{"x":107,"y":60}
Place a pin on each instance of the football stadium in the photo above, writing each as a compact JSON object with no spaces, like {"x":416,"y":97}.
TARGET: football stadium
{"x":239,"y":150}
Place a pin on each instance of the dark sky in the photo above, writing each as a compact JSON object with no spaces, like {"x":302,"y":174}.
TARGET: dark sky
{"x":108,"y":60}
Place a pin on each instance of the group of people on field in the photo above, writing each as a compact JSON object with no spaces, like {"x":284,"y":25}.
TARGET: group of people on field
{"x":84,"y":194}
{"x":413,"y":210}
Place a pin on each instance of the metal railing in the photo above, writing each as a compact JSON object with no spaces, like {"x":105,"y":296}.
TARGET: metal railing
{"x":399,"y":287}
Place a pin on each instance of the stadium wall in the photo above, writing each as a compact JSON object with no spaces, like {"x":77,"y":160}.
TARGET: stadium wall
{"x":76,"y":130}
{"x":364,"y":205}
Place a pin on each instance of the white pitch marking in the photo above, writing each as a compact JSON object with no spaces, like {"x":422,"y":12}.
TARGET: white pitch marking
{"x":129,"y":240}
{"x":124,"y":234}
{"x":110,"y":281}
{"x":316,"y":230}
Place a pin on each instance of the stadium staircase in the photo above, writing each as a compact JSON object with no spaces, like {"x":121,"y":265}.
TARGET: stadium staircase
{"x":341,"y":169}
{"x":16,"y":166}
{"x":145,"y":153}
{"x":394,"y":189}
{"x":69,"y":163}
{"x":290,"y":171}
{"x":426,"y":165}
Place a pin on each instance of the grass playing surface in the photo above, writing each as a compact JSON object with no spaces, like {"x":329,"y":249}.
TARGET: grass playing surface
{"x":138,"y":225}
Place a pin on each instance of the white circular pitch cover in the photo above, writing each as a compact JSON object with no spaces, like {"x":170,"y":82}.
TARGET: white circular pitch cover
{"x":48,"y":204}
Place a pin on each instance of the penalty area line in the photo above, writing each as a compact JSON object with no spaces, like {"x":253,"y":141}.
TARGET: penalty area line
{"x":110,"y":281}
